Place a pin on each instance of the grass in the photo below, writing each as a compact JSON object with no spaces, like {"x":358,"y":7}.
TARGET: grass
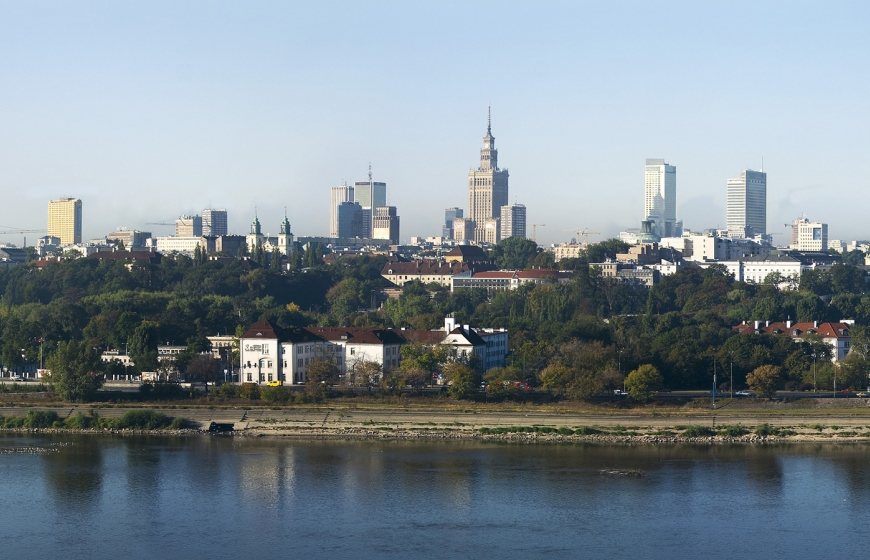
{"x":132,"y":420}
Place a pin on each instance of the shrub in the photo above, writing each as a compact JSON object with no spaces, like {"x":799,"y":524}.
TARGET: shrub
{"x":586,"y":431}
{"x":566,"y":431}
{"x":733,"y":431}
{"x":82,"y":422}
{"x":275,"y":394}
{"x":698,"y":431}
{"x":183,"y":424}
{"x":40,"y":419}
{"x":142,"y":420}
{"x":250,"y":391}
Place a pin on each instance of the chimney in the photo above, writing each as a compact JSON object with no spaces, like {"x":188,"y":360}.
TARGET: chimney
{"x":757,"y":324}
{"x":788,"y":324}
{"x":449,"y":323}
{"x":815,"y":324}
{"x":767,"y":323}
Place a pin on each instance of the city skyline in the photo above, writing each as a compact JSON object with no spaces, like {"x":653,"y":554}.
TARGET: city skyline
{"x":230,"y":110}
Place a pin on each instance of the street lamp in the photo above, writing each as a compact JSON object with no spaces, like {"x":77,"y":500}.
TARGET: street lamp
{"x":714,"y":381}
{"x":814,"y":372}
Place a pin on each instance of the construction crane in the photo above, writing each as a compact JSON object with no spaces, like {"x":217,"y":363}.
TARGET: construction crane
{"x":18,"y":231}
{"x":584,"y":233}
{"x":535,"y":231}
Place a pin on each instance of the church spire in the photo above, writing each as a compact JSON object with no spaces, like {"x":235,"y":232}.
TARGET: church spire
{"x":488,"y":155}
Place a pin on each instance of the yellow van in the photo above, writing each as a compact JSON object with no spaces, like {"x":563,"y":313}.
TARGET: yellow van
{"x":277,"y":383}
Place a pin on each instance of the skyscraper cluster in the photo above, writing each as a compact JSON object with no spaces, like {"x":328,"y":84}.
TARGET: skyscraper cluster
{"x":361,"y":211}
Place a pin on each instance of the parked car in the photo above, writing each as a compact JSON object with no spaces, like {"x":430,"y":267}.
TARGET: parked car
{"x":862,"y":394}
{"x":745,"y":393}
{"x":619,"y":392}
{"x":15,"y":377}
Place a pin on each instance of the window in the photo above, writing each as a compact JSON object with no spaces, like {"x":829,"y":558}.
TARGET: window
{"x":299,"y":363}
{"x":249,"y":377}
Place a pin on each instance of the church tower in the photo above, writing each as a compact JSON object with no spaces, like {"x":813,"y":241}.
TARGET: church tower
{"x":255,"y":238}
{"x":487,"y":189}
{"x":285,"y":238}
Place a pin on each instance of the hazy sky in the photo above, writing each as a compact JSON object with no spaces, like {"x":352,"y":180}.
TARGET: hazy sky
{"x":148,"y":110}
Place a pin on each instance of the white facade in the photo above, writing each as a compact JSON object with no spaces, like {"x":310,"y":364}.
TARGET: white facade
{"x":660,"y":196}
{"x":338,"y":195}
{"x":186,"y":245}
{"x":513,"y":221}
{"x":809,"y":236}
{"x":746,"y":205}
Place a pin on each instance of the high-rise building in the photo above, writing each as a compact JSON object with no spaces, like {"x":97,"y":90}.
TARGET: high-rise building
{"x":349,"y":217}
{"x":214,"y":222}
{"x":385,"y":224}
{"x":188,"y":226}
{"x":337,"y":196}
{"x":449,"y":215}
{"x":660,"y":197}
{"x":809,"y":236}
{"x":370,"y":195}
{"x":487,"y":186}
{"x":513,"y":221}
{"x":746,"y":212}
{"x":463,"y":230}
{"x":65,"y":220}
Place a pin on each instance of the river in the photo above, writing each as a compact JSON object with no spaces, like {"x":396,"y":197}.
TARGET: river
{"x":95,"y":497}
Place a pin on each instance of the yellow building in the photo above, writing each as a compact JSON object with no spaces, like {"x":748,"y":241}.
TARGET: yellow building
{"x":65,"y":220}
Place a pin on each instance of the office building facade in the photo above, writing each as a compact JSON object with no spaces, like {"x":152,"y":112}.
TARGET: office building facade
{"x":746,"y":204}
{"x":65,"y":220}
{"x":513,"y":221}
{"x":214,"y":222}
{"x":660,"y":197}
{"x":338,"y":196}
{"x":385,"y":224}
{"x":450,"y":214}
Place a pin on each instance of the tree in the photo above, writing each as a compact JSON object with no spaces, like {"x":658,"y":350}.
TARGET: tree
{"x":462,"y":380}
{"x":366,"y":374}
{"x":143,"y":346}
{"x":514,"y":253}
{"x":202,"y":367}
{"x":764,"y":380}
{"x":643,"y":382}
{"x":76,"y":371}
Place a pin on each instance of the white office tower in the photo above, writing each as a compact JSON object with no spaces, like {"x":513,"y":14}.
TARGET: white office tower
{"x":746,"y":212}
{"x":809,"y":236}
{"x":660,"y":197}
{"x":337,"y":196}
{"x":513,"y":221}
{"x":214,"y":222}
{"x":369,"y":195}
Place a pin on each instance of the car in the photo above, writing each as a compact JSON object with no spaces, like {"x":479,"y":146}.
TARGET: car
{"x":863,"y":394}
{"x":277,"y":383}
{"x":619,"y":392}
{"x":745,"y":393}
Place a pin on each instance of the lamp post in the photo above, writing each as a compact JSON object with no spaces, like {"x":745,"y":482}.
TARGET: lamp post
{"x":814,"y":372}
{"x":731,"y":381}
{"x":714,"y":381}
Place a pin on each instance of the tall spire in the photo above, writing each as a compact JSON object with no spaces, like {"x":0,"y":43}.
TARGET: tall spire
{"x":489,"y":119}
{"x":370,"y":172}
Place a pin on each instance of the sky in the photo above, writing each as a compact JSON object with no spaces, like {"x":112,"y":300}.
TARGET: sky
{"x":149,"y":110}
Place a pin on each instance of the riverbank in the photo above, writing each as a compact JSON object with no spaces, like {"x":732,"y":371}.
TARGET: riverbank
{"x":808,"y":420}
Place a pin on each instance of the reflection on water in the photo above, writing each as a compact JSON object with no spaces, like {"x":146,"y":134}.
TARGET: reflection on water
{"x":239,"y":498}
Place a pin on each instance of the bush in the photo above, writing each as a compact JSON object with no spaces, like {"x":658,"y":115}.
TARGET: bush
{"x":733,"y":431}
{"x":249,"y":391}
{"x":768,"y":430}
{"x":566,"y":431}
{"x":586,"y":431}
{"x":142,"y":420}
{"x":183,"y":424}
{"x":40,"y":419}
{"x":275,"y":394}
{"x":82,"y":422}
{"x":698,"y":431}
{"x":228,"y":391}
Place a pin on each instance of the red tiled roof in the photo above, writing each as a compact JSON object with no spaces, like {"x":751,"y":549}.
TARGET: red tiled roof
{"x":358,"y":335}
{"x":824,"y":330}
{"x":425,"y":268}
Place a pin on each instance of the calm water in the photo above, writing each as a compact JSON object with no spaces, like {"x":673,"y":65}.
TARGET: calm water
{"x":104,"y":497}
